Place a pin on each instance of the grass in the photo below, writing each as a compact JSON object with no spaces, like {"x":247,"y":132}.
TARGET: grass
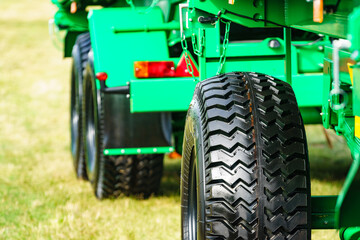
{"x":39,"y":195}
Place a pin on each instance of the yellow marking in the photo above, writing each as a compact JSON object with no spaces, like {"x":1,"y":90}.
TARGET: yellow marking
{"x":231,"y":2}
{"x":349,"y":65}
{"x":357,"y":126}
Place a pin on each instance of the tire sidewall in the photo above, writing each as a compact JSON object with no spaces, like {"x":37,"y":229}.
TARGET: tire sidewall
{"x":89,"y":82}
{"x":76,"y":85}
{"x":193,"y":144}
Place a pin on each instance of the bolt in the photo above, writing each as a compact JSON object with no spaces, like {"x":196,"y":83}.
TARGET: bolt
{"x":190,"y":20}
{"x":274,"y":43}
{"x":127,"y":95}
{"x":321,"y":113}
{"x":355,"y":55}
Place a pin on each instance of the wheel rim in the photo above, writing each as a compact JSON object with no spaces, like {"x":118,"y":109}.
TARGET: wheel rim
{"x":192,"y":208}
{"x":90,"y":132}
{"x":74,"y":116}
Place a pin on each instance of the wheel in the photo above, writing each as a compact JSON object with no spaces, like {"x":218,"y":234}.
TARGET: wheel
{"x":110,"y":176}
{"x":245,"y":169}
{"x":79,"y":56}
{"x":139,"y":175}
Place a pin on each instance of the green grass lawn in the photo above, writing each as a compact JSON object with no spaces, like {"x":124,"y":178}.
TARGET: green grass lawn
{"x":39,"y":195}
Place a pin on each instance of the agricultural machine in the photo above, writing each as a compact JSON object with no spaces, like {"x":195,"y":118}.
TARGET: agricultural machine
{"x":230,"y":85}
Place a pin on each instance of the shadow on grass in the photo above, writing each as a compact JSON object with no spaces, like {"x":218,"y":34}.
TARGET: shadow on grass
{"x":329,"y":164}
{"x":170,"y":183}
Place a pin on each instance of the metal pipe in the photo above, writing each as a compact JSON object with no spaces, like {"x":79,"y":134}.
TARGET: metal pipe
{"x":173,"y":25}
{"x":337,"y":91}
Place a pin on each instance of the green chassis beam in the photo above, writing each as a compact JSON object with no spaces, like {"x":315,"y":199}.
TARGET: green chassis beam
{"x":323,"y":212}
{"x":161,"y":94}
{"x":132,"y":151}
{"x":175,"y":94}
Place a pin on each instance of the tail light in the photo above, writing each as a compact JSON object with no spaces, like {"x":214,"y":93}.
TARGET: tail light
{"x":159,"y":69}
{"x":148,"y":69}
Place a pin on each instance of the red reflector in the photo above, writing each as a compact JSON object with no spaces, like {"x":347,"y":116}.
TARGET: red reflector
{"x":101,"y":76}
{"x":181,"y":69}
{"x":146,"y":69}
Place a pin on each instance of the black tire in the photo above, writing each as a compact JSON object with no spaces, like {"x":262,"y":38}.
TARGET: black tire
{"x":139,"y":175}
{"x":111,"y":176}
{"x":245,"y":168}
{"x":79,"y":56}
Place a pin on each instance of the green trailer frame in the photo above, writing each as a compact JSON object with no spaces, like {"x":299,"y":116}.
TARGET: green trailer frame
{"x":299,"y":63}
{"x":340,"y":110}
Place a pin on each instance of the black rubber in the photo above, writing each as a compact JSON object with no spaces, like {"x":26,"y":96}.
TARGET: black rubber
{"x":79,"y":56}
{"x":139,"y":175}
{"x":100,"y":169}
{"x":245,"y":158}
{"x":111,"y":176}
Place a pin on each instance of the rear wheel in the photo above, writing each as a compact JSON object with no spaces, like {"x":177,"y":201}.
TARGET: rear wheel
{"x":79,"y":55}
{"x":245,"y":170}
{"x":139,"y":175}
{"x":111,"y":176}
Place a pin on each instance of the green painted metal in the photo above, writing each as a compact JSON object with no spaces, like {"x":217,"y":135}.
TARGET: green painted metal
{"x":323,"y":212}
{"x":258,"y":56}
{"x":118,"y":62}
{"x":347,"y":212}
{"x":173,"y":25}
{"x":298,"y":14}
{"x":356,"y":91}
{"x":334,"y":25}
{"x":245,"y":8}
{"x":288,"y":56}
{"x":305,"y":85}
{"x":310,"y":115}
{"x":350,"y":233}
{"x":161,"y":94}
{"x":132,"y":151}
{"x":342,"y":121}
{"x":121,"y":36}
{"x":294,"y":13}
{"x":354,"y":30}
{"x":71,"y":22}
